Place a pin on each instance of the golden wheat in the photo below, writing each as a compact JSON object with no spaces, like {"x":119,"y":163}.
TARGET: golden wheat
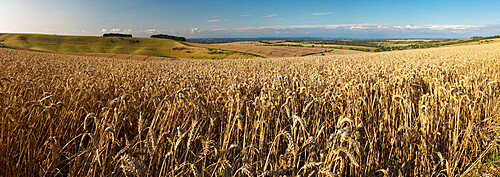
{"x":432,"y":112}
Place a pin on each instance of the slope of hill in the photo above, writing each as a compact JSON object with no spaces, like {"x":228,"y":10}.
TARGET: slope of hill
{"x":114,"y":45}
{"x":90,"y":44}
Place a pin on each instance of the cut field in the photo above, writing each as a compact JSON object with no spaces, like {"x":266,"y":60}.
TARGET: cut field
{"x":271,"y":51}
{"x":479,"y":42}
{"x":428,"y":112}
{"x":333,"y":52}
{"x":344,"y":47}
{"x":189,"y":52}
{"x":411,"y":40}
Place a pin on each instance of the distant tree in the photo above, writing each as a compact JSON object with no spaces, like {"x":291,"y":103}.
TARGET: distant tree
{"x":116,"y":35}
{"x":166,"y":36}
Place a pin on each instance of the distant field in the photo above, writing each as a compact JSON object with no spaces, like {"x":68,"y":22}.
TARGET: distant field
{"x":380,"y":45}
{"x":263,"y":49}
{"x":153,"y":48}
{"x":109,"y":46}
{"x":484,"y":41}
{"x":344,"y":47}
{"x":190,"y":52}
{"x":412,"y":40}
{"x":339,"y":52}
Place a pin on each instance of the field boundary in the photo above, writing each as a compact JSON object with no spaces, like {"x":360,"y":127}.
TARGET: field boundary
{"x":8,"y":47}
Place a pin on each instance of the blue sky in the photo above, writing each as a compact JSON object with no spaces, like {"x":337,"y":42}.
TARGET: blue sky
{"x":255,"y":18}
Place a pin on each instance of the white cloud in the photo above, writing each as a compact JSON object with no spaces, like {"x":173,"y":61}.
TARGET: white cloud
{"x":212,"y":21}
{"x":195,"y":30}
{"x":151,"y":30}
{"x":396,"y":27}
{"x":244,"y":15}
{"x":306,"y":26}
{"x":365,"y":29}
{"x":382,"y":27}
{"x":412,"y":27}
{"x":342,"y":30}
{"x":453,"y":27}
{"x":323,"y":13}
{"x":439,"y":27}
{"x":359,"y":27}
{"x":268,"y":16}
{"x":115,"y":30}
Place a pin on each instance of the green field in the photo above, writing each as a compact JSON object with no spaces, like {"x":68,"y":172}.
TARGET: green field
{"x":90,"y":44}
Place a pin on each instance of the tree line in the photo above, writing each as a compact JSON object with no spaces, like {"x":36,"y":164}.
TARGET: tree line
{"x":161,"y":36}
{"x":116,"y":35}
{"x":166,"y":36}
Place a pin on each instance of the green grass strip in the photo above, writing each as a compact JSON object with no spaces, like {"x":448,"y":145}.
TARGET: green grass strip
{"x":8,"y":47}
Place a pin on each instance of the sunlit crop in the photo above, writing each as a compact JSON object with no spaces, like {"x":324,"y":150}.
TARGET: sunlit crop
{"x":425,"y":112}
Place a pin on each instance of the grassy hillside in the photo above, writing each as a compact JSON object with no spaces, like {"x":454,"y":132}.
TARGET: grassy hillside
{"x":118,"y":45}
{"x":90,"y":44}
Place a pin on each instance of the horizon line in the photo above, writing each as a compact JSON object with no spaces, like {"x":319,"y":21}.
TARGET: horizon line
{"x":255,"y":37}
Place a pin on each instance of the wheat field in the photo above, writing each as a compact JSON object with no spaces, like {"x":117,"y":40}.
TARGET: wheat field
{"x":432,"y":112}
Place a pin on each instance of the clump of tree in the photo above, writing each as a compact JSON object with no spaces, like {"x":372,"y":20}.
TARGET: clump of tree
{"x":477,"y":38}
{"x":166,"y":36}
{"x":116,"y":35}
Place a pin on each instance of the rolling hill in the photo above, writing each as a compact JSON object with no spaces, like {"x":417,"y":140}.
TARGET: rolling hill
{"x":90,"y":44}
{"x":116,"y":45}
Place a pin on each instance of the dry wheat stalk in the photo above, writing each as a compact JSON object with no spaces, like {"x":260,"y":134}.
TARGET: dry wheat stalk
{"x":390,"y":113}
